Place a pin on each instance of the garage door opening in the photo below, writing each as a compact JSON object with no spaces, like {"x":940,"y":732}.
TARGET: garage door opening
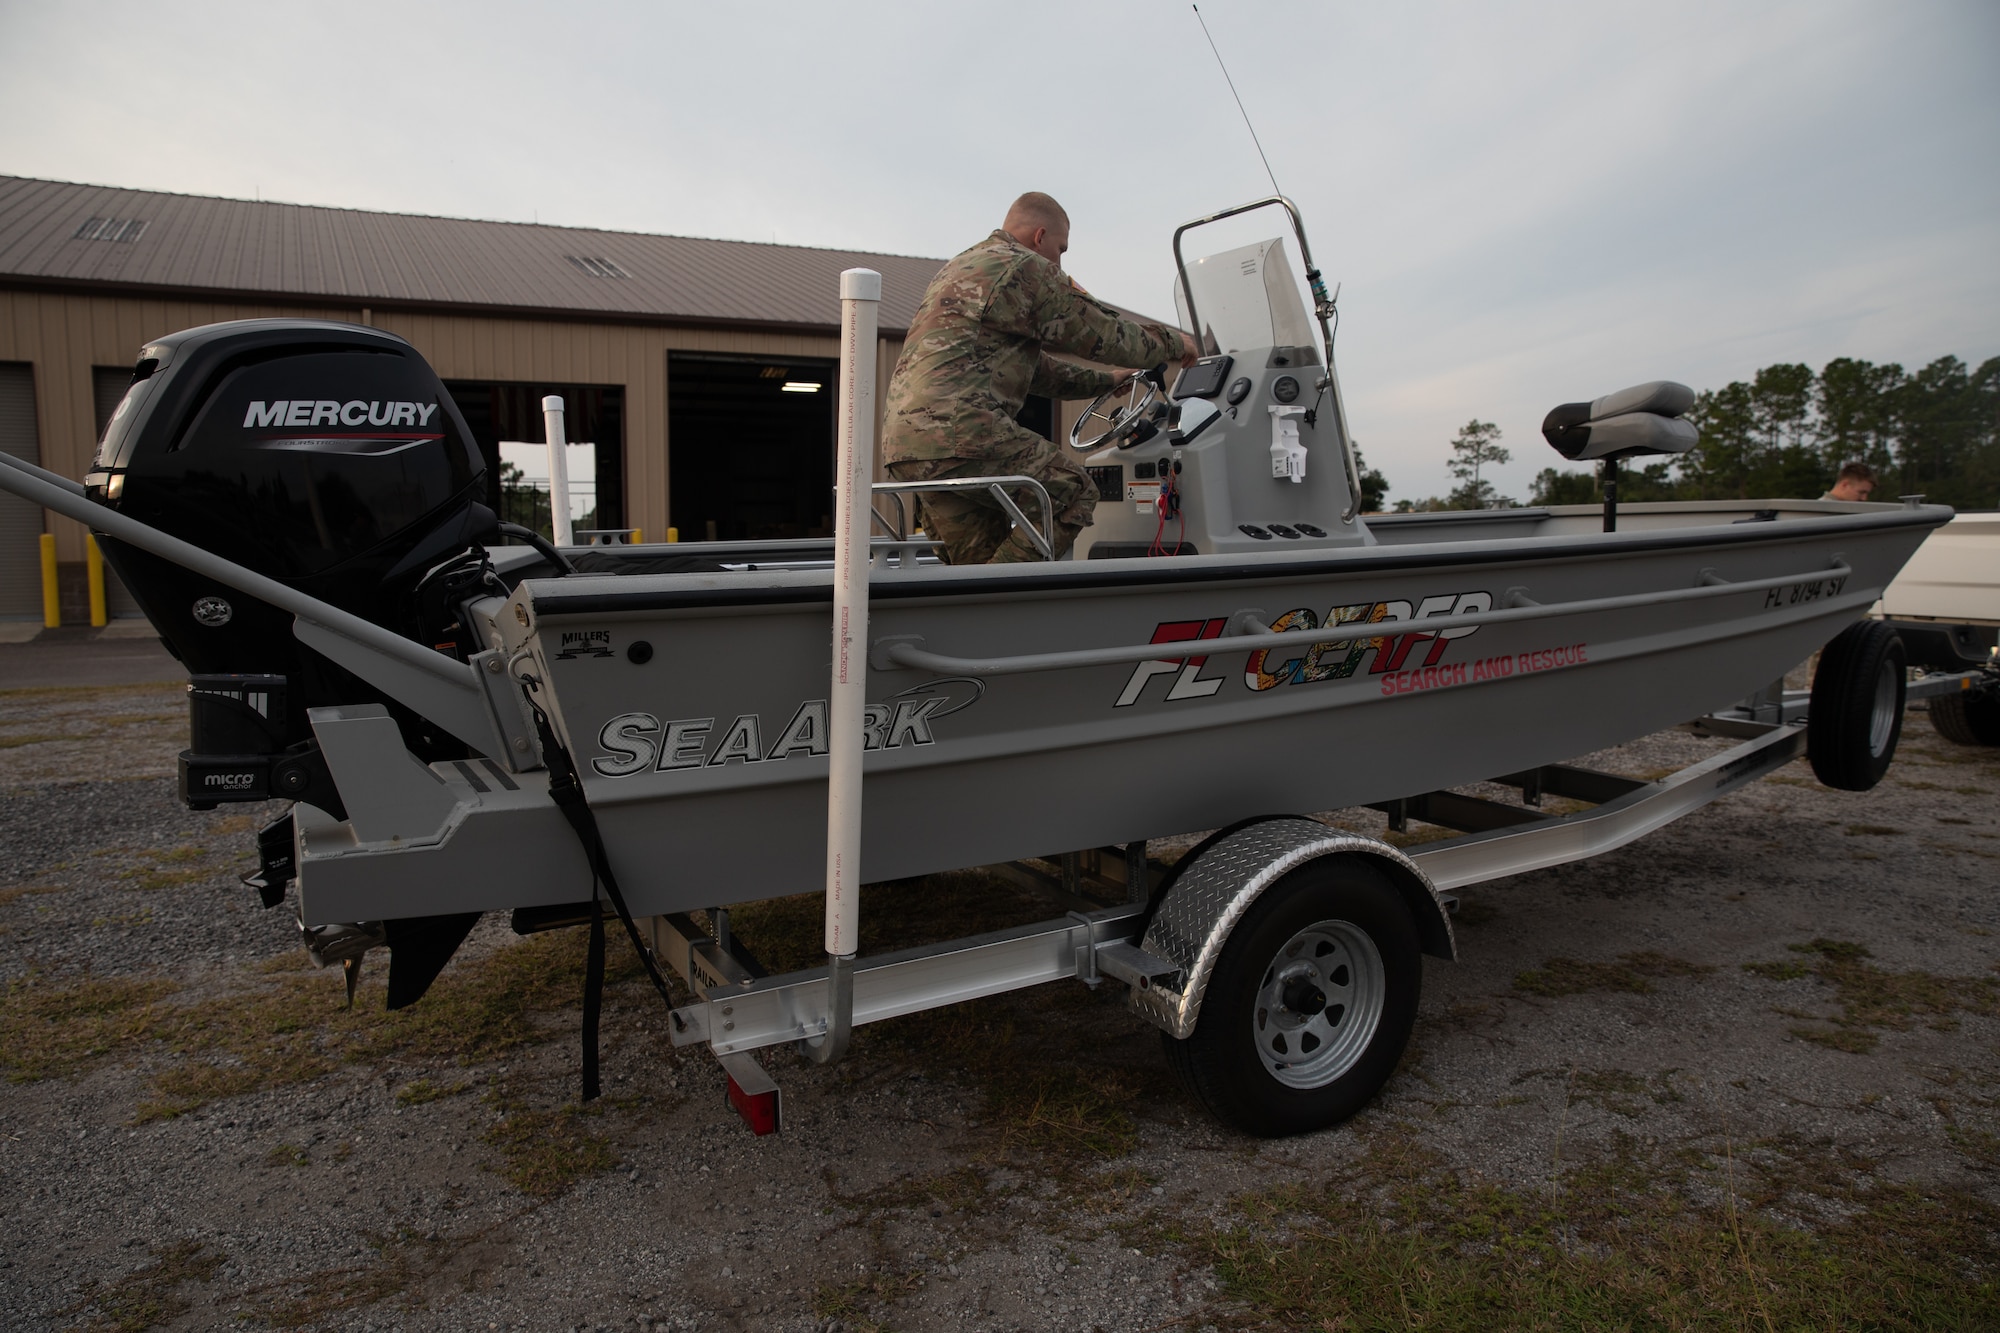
{"x":750,"y":445}
{"x":513,"y":411}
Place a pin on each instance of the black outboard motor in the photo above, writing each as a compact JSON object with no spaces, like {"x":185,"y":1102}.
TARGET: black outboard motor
{"x":327,"y":456}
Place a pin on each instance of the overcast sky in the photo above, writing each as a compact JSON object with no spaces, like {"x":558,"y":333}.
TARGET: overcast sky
{"x":1525,"y":204}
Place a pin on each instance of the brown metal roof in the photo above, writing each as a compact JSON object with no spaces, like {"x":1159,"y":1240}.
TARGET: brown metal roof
{"x":196,"y":244}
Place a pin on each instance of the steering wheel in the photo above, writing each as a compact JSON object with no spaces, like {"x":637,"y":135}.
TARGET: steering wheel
{"x":1125,"y":416}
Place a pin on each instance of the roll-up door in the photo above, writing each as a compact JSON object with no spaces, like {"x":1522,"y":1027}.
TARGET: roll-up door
{"x":107,"y":387}
{"x":20,"y":520}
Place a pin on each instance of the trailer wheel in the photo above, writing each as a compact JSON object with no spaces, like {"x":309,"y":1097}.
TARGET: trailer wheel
{"x":1970,"y":717}
{"x":1310,"y":1005}
{"x":1855,"y":715}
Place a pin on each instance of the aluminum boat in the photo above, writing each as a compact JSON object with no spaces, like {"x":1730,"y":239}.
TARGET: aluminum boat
{"x":1234,"y":646}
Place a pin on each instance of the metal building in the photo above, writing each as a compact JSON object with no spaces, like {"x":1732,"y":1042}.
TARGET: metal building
{"x":673,"y":354}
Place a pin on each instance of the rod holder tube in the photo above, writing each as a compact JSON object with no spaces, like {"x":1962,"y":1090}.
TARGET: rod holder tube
{"x":854,"y":475}
{"x":552,"y":418}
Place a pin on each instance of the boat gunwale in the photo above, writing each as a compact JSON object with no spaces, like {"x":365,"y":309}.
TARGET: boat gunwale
{"x":548,"y":601}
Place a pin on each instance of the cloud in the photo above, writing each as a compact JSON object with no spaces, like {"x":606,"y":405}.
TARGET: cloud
{"x":1524,"y":204}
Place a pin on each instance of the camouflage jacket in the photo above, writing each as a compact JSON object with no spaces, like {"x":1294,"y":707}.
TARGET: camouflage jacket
{"x":980,"y":344}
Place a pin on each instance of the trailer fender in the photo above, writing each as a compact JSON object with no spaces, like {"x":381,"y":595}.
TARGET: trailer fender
{"x":1208,"y":896}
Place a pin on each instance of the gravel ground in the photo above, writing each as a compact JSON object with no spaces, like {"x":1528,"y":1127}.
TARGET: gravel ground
{"x":451,"y":1182}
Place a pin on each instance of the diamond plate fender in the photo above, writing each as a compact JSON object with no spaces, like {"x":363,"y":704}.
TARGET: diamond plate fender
{"x":1209,"y":896}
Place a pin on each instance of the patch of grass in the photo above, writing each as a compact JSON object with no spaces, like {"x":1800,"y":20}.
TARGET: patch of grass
{"x":1047,"y":1089}
{"x":960,"y":1189}
{"x":16,"y":742}
{"x":1417,"y":835}
{"x":147,"y":1297}
{"x":1634,"y":973}
{"x":1981,"y":1146}
{"x":423,"y":1090}
{"x":1029,"y":1060}
{"x":405,"y":1260}
{"x":287,"y":1154}
{"x":1395,"y":1240}
{"x":1874,"y":997}
{"x":173,"y":867}
{"x":19,"y":891}
{"x":1855,"y":1041}
{"x":855,"y":1302}
{"x":544,"y":1152}
{"x":49,"y":1030}
{"x":287,"y":1027}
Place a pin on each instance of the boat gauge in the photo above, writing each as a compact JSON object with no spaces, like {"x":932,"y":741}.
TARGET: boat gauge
{"x":1239,"y":389}
{"x":1286,"y":390}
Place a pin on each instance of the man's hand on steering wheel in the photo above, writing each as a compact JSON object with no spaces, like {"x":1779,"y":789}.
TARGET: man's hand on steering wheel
{"x":1190,"y":354}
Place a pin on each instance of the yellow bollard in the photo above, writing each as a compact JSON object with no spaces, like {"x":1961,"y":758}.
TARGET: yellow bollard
{"x":93,"y":563}
{"x":51,"y":590}
{"x":673,"y":534}
{"x":638,"y":537}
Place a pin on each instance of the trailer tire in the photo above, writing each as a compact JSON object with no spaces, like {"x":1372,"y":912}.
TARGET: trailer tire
{"x":1325,"y":966}
{"x":1855,"y":715}
{"x":1970,"y":717}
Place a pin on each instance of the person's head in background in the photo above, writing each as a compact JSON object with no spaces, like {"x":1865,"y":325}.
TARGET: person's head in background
{"x":1856,"y":482}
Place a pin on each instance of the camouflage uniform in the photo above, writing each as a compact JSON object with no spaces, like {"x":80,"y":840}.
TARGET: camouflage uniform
{"x":977,"y":348}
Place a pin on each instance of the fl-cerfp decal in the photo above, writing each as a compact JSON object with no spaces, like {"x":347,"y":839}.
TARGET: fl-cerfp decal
{"x":1312,"y":662}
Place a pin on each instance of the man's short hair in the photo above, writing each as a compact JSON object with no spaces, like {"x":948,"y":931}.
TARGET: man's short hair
{"x":1035,"y":209}
{"x":1858,"y":471}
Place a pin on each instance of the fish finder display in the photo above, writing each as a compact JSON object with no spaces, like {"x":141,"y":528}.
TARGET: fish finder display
{"x":1203,"y":379}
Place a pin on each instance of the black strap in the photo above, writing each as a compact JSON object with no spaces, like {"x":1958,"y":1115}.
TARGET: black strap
{"x":567,"y":792}
{"x":593,"y":1000}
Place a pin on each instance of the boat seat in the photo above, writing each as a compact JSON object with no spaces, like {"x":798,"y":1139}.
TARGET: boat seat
{"x":1644,"y":419}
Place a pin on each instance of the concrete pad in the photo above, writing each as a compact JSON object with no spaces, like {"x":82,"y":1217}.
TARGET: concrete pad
{"x":137,"y":627}
{"x":85,"y":657}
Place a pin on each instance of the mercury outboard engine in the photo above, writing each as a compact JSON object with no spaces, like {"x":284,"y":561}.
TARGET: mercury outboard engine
{"x":327,"y":456}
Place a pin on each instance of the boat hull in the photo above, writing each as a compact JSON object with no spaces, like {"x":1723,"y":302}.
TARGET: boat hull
{"x":702,"y":755}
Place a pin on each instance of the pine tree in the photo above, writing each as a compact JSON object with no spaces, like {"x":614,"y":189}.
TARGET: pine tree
{"x":1477,"y":446}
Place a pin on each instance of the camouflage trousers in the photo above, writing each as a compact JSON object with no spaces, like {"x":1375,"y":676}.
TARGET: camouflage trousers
{"x":974,"y":528}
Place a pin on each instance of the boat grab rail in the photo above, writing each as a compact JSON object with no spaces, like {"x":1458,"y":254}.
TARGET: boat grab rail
{"x":897,"y":651}
{"x":1043,"y":537}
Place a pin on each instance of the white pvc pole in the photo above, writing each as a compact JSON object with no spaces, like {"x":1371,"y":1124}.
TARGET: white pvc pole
{"x":552,"y":415}
{"x":860,"y":299}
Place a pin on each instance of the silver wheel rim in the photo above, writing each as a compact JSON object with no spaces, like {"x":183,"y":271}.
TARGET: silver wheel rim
{"x":1318,"y":1004}
{"x":1883,"y":719}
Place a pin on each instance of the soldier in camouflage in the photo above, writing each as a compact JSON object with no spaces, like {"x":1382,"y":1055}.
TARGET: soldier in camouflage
{"x":979,"y":345}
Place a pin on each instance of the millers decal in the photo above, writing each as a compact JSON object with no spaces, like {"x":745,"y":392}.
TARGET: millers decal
{"x":584,"y":643}
{"x":638,"y":742}
{"x":1332,"y":659}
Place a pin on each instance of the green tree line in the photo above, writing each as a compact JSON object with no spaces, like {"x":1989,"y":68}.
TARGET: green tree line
{"x":1786,"y":432}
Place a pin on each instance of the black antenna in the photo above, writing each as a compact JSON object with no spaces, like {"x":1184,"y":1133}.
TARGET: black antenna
{"x":1239,"y":99}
